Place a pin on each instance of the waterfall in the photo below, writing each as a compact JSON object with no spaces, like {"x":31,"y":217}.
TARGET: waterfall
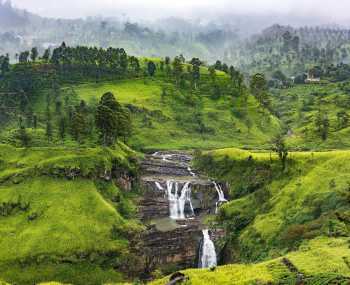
{"x":177,"y":201}
{"x":159,"y":187}
{"x":164,"y":157}
{"x":191,"y":172}
{"x":207,"y":252}
{"x":220,"y":194}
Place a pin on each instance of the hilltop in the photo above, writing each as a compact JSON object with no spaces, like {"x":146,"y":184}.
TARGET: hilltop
{"x":187,"y":109}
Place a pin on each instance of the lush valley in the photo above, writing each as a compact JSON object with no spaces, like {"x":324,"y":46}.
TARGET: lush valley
{"x":94,"y":142}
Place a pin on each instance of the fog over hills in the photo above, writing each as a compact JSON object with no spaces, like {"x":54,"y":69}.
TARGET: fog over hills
{"x":194,"y":28}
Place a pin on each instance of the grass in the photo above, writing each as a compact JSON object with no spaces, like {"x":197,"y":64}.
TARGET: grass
{"x":169,"y":123}
{"x":260,"y":215}
{"x":298,"y":108}
{"x":306,"y":259}
{"x":59,"y":227}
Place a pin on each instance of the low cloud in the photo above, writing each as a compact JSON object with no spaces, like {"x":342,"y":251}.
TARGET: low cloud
{"x":329,"y":11}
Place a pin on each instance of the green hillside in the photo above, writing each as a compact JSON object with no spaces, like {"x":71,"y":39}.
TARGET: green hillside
{"x":333,"y":268}
{"x":272,"y":212}
{"x":74,"y":125}
{"x":60,"y":219}
{"x":303,"y":106}
{"x":165,"y":115}
{"x":172,"y":121}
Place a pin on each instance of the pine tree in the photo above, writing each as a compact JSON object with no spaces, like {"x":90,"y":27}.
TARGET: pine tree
{"x":177,"y":70}
{"x":34,"y":54}
{"x":151,"y":68}
{"x":106,"y":122}
{"x":78,"y":126}
{"x":259,"y":89}
{"x":46,"y":55}
{"x":112,"y":120}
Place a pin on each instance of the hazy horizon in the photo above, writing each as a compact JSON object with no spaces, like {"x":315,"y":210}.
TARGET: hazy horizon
{"x":325,"y":13}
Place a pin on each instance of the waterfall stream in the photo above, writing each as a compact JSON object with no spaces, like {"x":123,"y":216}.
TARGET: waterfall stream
{"x":208,"y":253}
{"x":177,"y":201}
{"x":178,"y":194}
{"x":159,"y":187}
{"x":220,"y":194}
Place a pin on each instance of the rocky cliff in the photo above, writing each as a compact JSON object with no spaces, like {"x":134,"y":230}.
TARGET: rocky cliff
{"x":172,"y":243}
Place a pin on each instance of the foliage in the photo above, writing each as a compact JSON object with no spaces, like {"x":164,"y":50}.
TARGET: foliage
{"x":261,"y":217}
{"x":59,"y":219}
{"x":315,"y":270}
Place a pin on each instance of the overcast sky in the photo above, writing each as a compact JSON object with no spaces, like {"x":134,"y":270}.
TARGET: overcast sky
{"x":331,"y":11}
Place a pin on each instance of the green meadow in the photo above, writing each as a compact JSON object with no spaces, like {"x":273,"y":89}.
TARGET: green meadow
{"x":170,"y":122}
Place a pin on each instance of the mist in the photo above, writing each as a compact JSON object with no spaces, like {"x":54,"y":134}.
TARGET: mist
{"x":317,"y":11}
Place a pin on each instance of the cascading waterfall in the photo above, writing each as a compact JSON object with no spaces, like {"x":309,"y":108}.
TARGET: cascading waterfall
{"x":191,"y":172}
{"x":159,"y":187}
{"x":208,"y":253}
{"x":179,"y":198}
{"x":177,"y":201}
{"x":220,"y":194}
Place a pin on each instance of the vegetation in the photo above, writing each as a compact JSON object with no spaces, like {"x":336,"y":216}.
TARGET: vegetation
{"x":70,"y":117}
{"x":330,"y":270}
{"x":261,"y":222}
{"x":160,"y":104}
{"x":314,"y":116}
{"x":62,"y":218}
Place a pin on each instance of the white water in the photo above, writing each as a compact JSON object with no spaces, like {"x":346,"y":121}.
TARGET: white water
{"x":164,"y":157}
{"x":160,"y":187}
{"x":191,"y":172}
{"x":208,"y":258}
{"x":177,"y":201}
{"x":221,"y":195}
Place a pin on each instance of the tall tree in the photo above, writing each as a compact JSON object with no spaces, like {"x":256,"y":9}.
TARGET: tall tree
{"x":280,"y":147}
{"x":177,"y":69}
{"x":151,"y":68}
{"x":322,"y":124}
{"x":4,"y":64}
{"x":23,"y":57}
{"x":106,"y":122}
{"x":78,"y":126}
{"x":34,"y":54}
{"x":258,"y":87}
{"x":46,"y":55}
{"x":196,"y":75}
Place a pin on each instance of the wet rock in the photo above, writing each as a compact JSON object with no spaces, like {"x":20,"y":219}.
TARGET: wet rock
{"x":177,"y":278}
{"x":174,"y":243}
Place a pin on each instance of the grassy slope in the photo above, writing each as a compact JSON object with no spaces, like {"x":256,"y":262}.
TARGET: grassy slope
{"x":272,"y":212}
{"x":266,"y":204}
{"x":60,"y":229}
{"x":166,"y":132}
{"x":299,"y":106}
{"x":307,"y":259}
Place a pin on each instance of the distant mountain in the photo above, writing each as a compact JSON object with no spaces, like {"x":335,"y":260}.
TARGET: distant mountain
{"x":11,"y":17}
{"x":250,"y":42}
